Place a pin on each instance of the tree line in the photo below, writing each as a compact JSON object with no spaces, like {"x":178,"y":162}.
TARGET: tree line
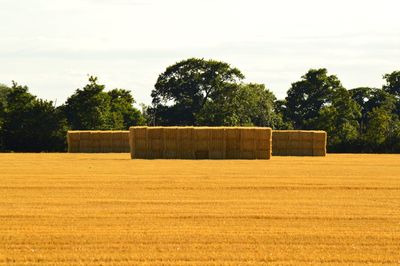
{"x":203,"y":92}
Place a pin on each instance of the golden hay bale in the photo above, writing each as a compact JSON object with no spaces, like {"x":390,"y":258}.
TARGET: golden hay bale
{"x":124,"y":136}
{"x":116,"y":141}
{"x":217,"y":143}
{"x":319,"y":143}
{"x":155,"y":142}
{"x":201,"y":137}
{"x":248,"y":143}
{"x":263,"y":138}
{"x":280,"y":141}
{"x":232,"y":139}
{"x":200,"y":142}
{"x":73,"y":140}
{"x":171,"y":146}
{"x":138,"y":142}
{"x":186,"y":143}
{"x":85,"y":144}
{"x":106,"y":144}
{"x":96,"y":141}
{"x":120,"y":141}
{"x":299,"y":142}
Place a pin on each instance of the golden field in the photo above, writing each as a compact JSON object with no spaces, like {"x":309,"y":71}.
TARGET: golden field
{"x":105,"y":209}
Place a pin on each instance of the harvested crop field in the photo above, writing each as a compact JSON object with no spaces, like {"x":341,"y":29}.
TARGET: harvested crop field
{"x":105,"y":209}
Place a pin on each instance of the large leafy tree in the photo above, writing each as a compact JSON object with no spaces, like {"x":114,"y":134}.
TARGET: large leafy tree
{"x":392,"y":85}
{"x":185,"y":88}
{"x":368,"y":99}
{"x":307,"y":97}
{"x":123,"y":113}
{"x":379,"y":120}
{"x":91,"y":108}
{"x":382,"y":121}
{"x":247,"y":104}
{"x":4,"y":90}
{"x":31,"y":124}
{"x":340,"y":119}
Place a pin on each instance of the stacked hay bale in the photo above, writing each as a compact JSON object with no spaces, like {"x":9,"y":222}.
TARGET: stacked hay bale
{"x":185,"y":143}
{"x":200,"y":143}
{"x":298,"y":143}
{"x":98,"y":141}
{"x":232,"y":139}
{"x":74,"y":141}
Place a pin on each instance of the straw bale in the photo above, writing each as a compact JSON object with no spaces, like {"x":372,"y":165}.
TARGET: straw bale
{"x":217,"y":143}
{"x":248,"y":143}
{"x":120,"y":141}
{"x":232,"y":139}
{"x":201,"y":136}
{"x":85,"y":143}
{"x":200,"y":142}
{"x":106,"y":144}
{"x":138,"y":142}
{"x":96,"y":137}
{"x":299,"y":142}
{"x":155,"y":142}
{"x":186,"y":142}
{"x":319,"y":143}
{"x":124,"y":137}
{"x":73,"y":140}
{"x":263,"y":138}
{"x":171,"y":147}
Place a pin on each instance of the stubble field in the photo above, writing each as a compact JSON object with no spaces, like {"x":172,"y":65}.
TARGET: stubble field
{"x":105,"y":209}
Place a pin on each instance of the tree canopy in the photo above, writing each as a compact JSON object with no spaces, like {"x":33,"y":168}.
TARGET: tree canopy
{"x":91,"y":108}
{"x":183,"y":89}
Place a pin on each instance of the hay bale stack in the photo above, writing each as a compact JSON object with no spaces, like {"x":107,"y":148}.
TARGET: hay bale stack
{"x":216,"y":143}
{"x":171,"y":144}
{"x":73,"y":140}
{"x":186,"y":143}
{"x":85,"y":143}
{"x":248,"y":143}
{"x":106,"y":143}
{"x":319,"y":143}
{"x":232,"y":139}
{"x":201,"y":138}
{"x":155,"y":142}
{"x":298,"y":143}
{"x":120,"y":141}
{"x":263,"y":138}
{"x":200,"y":143}
{"x":98,"y":141}
{"x":138,"y":142}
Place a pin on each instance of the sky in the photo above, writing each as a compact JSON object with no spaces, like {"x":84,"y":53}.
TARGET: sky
{"x":52,"y":46}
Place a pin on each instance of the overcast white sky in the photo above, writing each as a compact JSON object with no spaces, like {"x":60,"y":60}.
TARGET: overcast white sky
{"x":52,"y":45}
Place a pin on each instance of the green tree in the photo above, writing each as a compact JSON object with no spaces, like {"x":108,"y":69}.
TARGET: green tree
{"x":379,"y":120}
{"x":4,"y":90}
{"x":123,"y":113}
{"x":306,"y":97}
{"x":244,"y":105}
{"x":31,"y":124}
{"x":89,"y":108}
{"x":340,"y":119}
{"x":379,"y":127}
{"x":183,"y":89}
{"x":383,"y":121}
{"x":392,"y":85}
{"x":281,"y":110}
